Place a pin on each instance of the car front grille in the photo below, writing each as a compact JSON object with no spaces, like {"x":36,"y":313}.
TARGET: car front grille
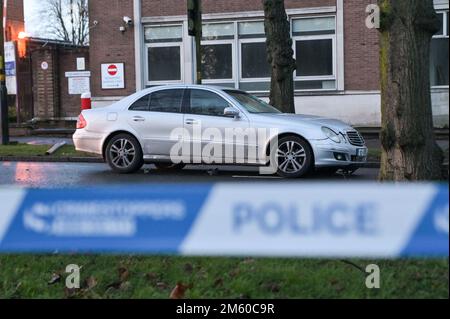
{"x":355,"y":138}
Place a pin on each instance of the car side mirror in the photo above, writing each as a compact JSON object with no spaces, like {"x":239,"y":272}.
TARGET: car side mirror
{"x":231,"y":112}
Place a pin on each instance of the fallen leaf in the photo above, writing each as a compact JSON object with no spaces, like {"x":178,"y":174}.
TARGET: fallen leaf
{"x":70,"y":292}
{"x":55,"y":279}
{"x":125,"y":285}
{"x":123,"y":274}
{"x":235,"y":273}
{"x":90,"y":283}
{"x":179,"y":291}
{"x":218,"y":283}
{"x":273,"y":287}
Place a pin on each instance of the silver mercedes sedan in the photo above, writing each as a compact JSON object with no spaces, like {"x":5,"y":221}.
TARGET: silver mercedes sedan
{"x":172,"y":126}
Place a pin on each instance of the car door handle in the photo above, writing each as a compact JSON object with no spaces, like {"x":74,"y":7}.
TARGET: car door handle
{"x":191,"y":122}
{"x":138,"y":119}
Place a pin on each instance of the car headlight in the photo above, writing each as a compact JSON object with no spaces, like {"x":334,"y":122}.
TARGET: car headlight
{"x":332,"y":135}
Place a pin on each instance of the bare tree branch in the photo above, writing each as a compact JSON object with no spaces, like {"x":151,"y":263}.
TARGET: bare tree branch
{"x":66,"y":20}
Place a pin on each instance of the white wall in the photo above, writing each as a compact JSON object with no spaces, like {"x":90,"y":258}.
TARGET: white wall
{"x":359,"y":109}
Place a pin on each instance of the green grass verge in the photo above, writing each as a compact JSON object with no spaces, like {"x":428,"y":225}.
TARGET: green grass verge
{"x":28,"y":276}
{"x":39,"y":150}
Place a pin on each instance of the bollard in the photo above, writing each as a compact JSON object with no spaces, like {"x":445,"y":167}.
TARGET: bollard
{"x":86,"y":101}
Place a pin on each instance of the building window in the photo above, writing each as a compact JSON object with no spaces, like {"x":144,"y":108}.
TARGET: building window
{"x":315,"y":53}
{"x":164,"y":54}
{"x":254,"y":68}
{"x":218,"y":53}
{"x":217,"y":61}
{"x":439,"y":54}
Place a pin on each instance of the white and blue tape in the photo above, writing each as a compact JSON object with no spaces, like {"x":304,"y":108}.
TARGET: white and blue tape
{"x":289,"y":220}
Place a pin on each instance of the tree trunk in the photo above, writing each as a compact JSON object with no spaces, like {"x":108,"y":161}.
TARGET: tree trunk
{"x":410,"y":151}
{"x":280,"y":55}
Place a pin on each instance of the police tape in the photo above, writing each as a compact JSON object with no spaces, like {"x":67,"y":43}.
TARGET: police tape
{"x":271,"y":220}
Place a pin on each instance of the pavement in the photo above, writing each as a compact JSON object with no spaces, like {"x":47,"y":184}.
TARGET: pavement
{"x":61,"y":175}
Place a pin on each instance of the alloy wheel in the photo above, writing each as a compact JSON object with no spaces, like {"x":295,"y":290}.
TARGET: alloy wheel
{"x":291,"y":157}
{"x":122,"y":153}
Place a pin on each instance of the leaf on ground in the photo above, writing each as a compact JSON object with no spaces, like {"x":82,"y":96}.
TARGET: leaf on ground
{"x":179,"y":291}
{"x":235,"y":273}
{"x":218,"y":283}
{"x":71,"y":292}
{"x":272,"y":287}
{"x":56,"y":277}
{"x":123,"y":274}
{"x":90,"y":283}
{"x":126,"y":285}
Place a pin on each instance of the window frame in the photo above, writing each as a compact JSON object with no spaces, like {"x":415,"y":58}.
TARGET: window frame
{"x":332,"y":37}
{"x":222,"y":42}
{"x":444,"y":35}
{"x":250,"y":39}
{"x":233,"y":52}
{"x":164,"y":44}
{"x":250,"y":80}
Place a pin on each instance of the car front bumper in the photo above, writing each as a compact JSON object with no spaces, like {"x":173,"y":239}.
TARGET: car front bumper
{"x":344,"y":155}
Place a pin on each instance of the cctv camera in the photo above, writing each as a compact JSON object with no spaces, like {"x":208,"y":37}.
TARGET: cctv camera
{"x":128,"y":20}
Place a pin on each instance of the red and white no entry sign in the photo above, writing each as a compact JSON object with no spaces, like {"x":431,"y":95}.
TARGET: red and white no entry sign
{"x":112,"y":69}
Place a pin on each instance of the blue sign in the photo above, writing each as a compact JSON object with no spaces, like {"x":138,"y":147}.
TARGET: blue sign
{"x":285,"y":220}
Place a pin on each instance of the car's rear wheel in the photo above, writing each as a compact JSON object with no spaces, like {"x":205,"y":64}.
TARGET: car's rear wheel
{"x":292,"y":156}
{"x":170,"y":166}
{"x":124,"y":154}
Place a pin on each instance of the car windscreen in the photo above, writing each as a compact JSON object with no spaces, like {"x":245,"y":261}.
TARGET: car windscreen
{"x":251,"y":103}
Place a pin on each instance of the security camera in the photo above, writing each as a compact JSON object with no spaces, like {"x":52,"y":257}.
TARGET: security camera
{"x":128,"y":20}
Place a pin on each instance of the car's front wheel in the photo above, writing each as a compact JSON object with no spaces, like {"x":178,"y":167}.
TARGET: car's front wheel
{"x":124,"y":154}
{"x":292,"y":156}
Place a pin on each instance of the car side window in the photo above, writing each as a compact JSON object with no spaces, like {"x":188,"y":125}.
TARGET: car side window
{"x":141,"y":104}
{"x":168,"y":101}
{"x":207,"y":103}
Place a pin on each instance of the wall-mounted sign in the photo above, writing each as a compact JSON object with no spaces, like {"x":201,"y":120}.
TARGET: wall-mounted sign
{"x":79,"y":85}
{"x":113,"y":76}
{"x":78,"y":74}
{"x":44,"y":65}
{"x":81,"y":64}
{"x":79,"y":82}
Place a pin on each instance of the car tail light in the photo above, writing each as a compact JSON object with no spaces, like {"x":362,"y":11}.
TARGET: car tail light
{"x":81,"y":123}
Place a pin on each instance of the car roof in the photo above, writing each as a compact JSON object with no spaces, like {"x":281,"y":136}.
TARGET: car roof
{"x":194,"y":86}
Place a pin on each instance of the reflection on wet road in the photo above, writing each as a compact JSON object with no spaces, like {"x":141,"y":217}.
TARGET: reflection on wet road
{"x":56,"y":175}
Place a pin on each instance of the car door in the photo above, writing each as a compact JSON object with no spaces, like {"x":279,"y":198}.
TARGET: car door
{"x":155,"y":116}
{"x":209,"y":129}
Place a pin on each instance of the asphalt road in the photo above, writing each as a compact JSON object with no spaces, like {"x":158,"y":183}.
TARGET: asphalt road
{"x":57,"y":175}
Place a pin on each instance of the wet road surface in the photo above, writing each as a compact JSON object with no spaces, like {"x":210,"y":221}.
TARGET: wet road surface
{"x":59,"y":175}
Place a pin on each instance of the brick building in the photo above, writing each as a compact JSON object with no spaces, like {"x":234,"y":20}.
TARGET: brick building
{"x":15,"y":21}
{"x":337,"y":55}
